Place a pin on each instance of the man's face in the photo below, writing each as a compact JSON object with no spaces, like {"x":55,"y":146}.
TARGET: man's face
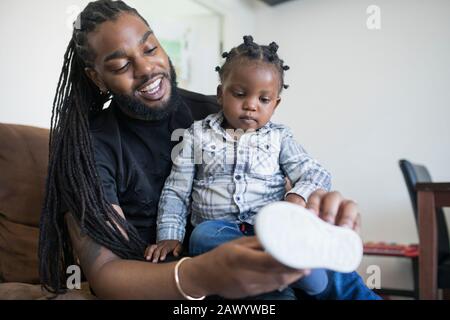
{"x":131,"y":64}
{"x":249,"y":95}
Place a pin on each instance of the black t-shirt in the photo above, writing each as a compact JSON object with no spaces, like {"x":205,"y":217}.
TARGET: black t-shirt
{"x":133,"y":156}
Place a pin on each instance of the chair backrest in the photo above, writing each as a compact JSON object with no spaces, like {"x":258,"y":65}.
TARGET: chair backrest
{"x":414,"y":173}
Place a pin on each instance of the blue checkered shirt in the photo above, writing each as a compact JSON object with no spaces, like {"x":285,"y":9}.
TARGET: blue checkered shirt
{"x":215,"y":177}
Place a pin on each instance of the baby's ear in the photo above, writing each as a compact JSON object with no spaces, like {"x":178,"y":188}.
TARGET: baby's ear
{"x":278,"y":102}
{"x":219,"y":94}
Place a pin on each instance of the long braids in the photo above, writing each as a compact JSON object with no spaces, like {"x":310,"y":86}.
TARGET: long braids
{"x":72,"y":182}
{"x":252,"y":51}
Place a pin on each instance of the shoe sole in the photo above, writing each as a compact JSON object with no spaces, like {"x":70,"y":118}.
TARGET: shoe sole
{"x":297,"y":238}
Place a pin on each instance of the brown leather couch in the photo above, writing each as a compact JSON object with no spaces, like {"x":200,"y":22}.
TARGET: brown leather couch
{"x":23,"y":168}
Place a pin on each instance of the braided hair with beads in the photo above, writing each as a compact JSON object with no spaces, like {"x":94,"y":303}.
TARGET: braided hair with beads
{"x":72,"y":182}
{"x":252,"y":51}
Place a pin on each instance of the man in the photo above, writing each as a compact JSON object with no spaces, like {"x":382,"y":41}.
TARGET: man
{"x":107,"y":169}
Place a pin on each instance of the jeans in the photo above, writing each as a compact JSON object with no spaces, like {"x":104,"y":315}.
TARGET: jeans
{"x":346,"y":286}
{"x":210,"y":234}
{"x":320,"y":284}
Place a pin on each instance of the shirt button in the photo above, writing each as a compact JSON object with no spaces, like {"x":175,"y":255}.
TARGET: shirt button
{"x":238,"y":198}
{"x":238,"y":177}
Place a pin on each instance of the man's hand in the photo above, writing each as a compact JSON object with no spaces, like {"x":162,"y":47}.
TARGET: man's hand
{"x":239,"y":268}
{"x":296,"y":199}
{"x":333,"y":208}
{"x":160,"y":250}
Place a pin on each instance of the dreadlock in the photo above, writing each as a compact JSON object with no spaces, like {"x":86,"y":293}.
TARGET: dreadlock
{"x":73,"y":183}
{"x":253,"y":51}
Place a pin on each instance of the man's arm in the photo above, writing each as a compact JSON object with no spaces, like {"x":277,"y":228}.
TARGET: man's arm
{"x":114,"y":278}
{"x":234,"y":270}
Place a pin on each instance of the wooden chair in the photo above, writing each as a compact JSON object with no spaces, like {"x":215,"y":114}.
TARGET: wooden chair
{"x":418,"y":174}
{"x":413,"y":174}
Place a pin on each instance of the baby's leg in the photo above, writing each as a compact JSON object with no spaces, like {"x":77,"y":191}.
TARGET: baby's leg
{"x":210,"y":234}
{"x":316,"y":282}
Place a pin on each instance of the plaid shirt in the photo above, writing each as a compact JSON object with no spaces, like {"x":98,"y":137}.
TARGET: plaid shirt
{"x":215,"y":177}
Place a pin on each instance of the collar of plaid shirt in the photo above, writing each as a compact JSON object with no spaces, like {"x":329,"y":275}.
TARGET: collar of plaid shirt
{"x":215,"y":123}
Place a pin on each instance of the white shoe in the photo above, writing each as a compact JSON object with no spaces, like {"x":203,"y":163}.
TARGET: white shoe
{"x":299,"y":239}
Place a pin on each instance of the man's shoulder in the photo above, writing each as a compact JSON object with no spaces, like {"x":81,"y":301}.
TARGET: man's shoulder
{"x":200,"y":105}
{"x":101,"y":121}
{"x":105,"y":132}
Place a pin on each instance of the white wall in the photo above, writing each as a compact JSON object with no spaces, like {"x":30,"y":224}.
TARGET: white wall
{"x":359,"y":99}
{"x":203,"y":55}
{"x":171,"y":18}
{"x":35,"y":35}
{"x":238,"y":18}
{"x":362,"y":99}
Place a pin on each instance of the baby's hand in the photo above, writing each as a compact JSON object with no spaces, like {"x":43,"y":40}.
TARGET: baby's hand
{"x":160,"y":250}
{"x":295,"y":198}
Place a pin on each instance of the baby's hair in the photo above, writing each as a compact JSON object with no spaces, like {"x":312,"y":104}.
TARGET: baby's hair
{"x":252,"y":51}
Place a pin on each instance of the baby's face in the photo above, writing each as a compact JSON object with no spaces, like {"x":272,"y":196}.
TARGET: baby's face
{"x":249,"y":95}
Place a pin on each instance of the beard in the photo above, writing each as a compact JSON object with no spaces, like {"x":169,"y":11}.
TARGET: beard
{"x":134,"y":107}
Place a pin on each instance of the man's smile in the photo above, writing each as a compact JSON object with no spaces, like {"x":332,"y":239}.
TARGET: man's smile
{"x":154,"y":89}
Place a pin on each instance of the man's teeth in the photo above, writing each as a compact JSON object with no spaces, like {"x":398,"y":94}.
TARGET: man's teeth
{"x":152,"y":87}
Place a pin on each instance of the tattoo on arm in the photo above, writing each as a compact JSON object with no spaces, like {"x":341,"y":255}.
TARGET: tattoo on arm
{"x":91,"y":254}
